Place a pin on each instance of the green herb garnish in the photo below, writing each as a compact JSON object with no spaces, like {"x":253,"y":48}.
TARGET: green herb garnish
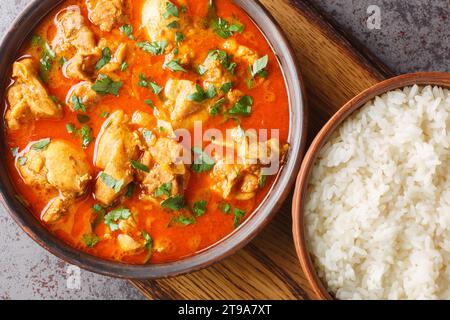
{"x":143,"y":82}
{"x":48,"y":56}
{"x":90,"y":240}
{"x":226,"y":87}
{"x":225,"y":207}
{"x":260,"y":65}
{"x":179,"y":37}
{"x":62,"y":61}
{"x":78,"y":104}
{"x":105,"y":59}
{"x":114,"y":184}
{"x":164,"y":190}
{"x":175,"y":66}
{"x":224,"y":58}
{"x":199,"y":208}
{"x":86,"y":136}
{"x":128,"y":31}
{"x":173,"y":25}
{"x":201,"y":94}
{"x":262,"y":181}
{"x":130,"y":190}
{"x":174,"y":203}
{"x":139,"y":166}
{"x":238,"y":216}
{"x":171,"y":10}
{"x":41,"y":145}
{"x":104,"y":114}
{"x":70,"y":127}
{"x":100,"y":213}
{"x":214,"y":109}
{"x":114,"y":216}
{"x":150,"y":103}
{"x":105,"y":85}
{"x":155,"y":88}
{"x":148,"y":241}
{"x":203,"y":163}
{"x":124,"y":66}
{"x":156,"y":48}
{"x":226,"y":30}
{"x":243,"y":107}
{"x":183,"y":220}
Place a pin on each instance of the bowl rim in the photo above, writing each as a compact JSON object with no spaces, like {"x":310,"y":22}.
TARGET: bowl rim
{"x":31,"y":16}
{"x":441,"y":79}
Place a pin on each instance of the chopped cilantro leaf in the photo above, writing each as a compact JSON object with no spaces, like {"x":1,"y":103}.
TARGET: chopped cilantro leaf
{"x":114,"y":184}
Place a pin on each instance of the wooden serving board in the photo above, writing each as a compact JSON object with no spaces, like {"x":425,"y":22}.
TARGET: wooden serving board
{"x":334,"y":71}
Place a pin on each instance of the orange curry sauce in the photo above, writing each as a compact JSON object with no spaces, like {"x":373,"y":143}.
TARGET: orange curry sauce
{"x":270,"y":111}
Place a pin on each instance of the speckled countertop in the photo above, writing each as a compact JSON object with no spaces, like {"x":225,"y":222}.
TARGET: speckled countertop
{"x":413,"y":35}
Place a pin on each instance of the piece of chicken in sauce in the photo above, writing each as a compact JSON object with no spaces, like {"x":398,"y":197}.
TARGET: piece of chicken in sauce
{"x":57,"y":170}
{"x":27,"y":97}
{"x":167,"y":169}
{"x":75,"y":41}
{"x":240,"y":179}
{"x":107,"y":14}
{"x":117,"y":147}
{"x":157,"y":15}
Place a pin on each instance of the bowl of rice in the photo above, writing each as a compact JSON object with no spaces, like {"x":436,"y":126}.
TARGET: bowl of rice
{"x":371,"y":210}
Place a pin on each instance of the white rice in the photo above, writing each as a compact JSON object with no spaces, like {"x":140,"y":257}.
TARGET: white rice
{"x":378,"y":203}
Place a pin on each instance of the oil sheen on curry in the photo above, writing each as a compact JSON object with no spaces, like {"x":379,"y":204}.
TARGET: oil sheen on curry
{"x":93,"y":113}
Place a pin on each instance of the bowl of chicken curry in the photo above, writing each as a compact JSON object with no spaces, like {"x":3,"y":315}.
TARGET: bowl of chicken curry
{"x":147,"y":138}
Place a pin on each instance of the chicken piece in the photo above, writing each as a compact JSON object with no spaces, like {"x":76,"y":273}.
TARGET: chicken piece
{"x":72,"y":33}
{"x":128,"y":225}
{"x":74,"y":38}
{"x":177,"y":93}
{"x":57,"y":168}
{"x":129,"y":245}
{"x":116,"y":62}
{"x":241,"y":52}
{"x":250,"y":183}
{"x":82,"y":66}
{"x":167,"y":151}
{"x":108,"y":14}
{"x":83,"y":91}
{"x":234,"y":96}
{"x":184,"y":55}
{"x":56,"y":208}
{"x":166,"y":129}
{"x":168,"y":169}
{"x":117,"y":145}
{"x":155,"y":20}
{"x":215,"y":74}
{"x":244,"y":175}
{"x":158,"y":176}
{"x":143,"y":119}
{"x":27,"y":98}
{"x":226,"y":176}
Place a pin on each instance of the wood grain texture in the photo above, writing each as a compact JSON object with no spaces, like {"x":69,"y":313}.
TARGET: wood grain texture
{"x":268,"y":268}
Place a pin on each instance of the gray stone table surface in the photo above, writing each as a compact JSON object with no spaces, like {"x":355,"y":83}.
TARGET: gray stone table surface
{"x":413,"y":35}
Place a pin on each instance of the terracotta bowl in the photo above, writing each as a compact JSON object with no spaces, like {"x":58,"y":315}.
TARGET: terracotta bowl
{"x":21,"y":30}
{"x":435,"y":78}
